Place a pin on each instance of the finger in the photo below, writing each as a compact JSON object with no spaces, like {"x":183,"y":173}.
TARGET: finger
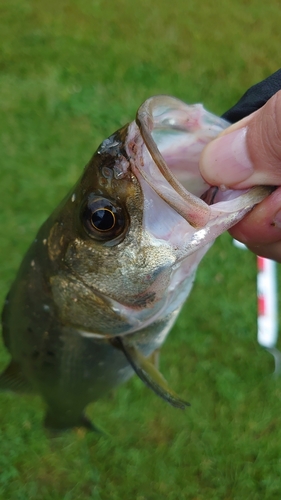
{"x":271,"y":251}
{"x":261,"y":228}
{"x":248,"y":153}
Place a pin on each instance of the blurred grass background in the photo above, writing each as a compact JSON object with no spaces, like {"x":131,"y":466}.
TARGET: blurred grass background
{"x":72,"y":72}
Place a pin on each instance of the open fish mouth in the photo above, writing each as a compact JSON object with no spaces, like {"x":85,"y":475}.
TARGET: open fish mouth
{"x":173,"y":135}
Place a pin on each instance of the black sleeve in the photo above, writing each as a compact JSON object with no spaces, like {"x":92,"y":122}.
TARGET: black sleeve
{"x":254,"y":98}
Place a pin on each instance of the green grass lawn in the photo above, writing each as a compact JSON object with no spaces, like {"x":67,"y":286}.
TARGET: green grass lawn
{"x":72,"y":72}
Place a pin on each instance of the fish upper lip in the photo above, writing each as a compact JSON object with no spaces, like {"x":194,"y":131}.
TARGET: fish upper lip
{"x":190,"y":207}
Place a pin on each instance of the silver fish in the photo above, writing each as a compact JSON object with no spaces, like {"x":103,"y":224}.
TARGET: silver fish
{"x":103,"y":282}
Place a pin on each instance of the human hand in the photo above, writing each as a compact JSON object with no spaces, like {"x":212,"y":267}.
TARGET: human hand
{"x":248,"y":153}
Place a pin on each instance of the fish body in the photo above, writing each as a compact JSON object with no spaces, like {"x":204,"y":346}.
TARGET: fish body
{"x":108,"y":272}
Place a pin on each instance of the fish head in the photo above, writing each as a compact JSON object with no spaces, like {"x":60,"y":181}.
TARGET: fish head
{"x":135,"y":227}
{"x":98,"y":236}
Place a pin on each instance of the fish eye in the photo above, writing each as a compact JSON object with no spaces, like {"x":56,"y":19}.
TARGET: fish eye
{"x":103,"y":219}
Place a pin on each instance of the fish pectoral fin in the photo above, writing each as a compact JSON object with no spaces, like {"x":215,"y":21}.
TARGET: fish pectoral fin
{"x":154,"y":358}
{"x":12,"y":379}
{"x":149,"y":374}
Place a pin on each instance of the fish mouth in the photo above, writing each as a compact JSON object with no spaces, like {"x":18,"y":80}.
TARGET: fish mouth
{"x":174,"y":135}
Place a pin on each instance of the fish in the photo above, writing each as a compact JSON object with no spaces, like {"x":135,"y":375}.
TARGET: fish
{"x":104,"y":280}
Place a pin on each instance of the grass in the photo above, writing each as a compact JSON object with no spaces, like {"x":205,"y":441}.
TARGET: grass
{"x":71,"y":73}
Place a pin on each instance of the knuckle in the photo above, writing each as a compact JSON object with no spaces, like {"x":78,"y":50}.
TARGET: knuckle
{"x":264,"y":139}
{"x":272,"y":128}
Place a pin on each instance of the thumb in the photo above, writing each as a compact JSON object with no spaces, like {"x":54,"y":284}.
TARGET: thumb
{"x":247,"y":153}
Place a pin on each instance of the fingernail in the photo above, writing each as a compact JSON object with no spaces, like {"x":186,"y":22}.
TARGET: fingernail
{"x":226,"y":159}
